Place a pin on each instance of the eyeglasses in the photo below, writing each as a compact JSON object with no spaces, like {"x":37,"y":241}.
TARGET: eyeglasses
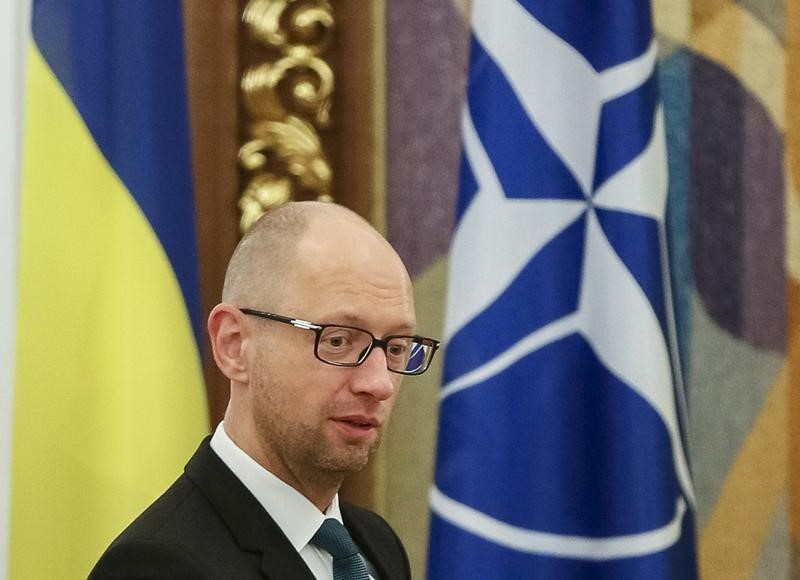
{"x":348,"y":346}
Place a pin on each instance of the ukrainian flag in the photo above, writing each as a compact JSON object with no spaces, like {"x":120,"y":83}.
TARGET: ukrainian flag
{"x":108,"y":397}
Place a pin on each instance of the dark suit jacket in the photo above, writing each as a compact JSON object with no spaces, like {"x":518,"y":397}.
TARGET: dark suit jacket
{"x":208,"y":525}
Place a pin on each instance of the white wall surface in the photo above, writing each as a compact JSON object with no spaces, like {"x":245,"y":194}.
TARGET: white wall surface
{"x":14,"y":16}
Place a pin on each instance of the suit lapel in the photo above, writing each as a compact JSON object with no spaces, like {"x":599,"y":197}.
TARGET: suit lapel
{"x":250,"y":524}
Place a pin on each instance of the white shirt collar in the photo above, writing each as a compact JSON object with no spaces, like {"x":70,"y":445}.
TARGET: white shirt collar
{"x":298,"y":518}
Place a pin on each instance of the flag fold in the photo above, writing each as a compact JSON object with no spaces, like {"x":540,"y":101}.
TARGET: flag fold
{"x":561,"y":451}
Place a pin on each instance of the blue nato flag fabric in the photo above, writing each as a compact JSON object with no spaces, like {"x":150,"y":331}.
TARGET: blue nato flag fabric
{"x":561,"y":451}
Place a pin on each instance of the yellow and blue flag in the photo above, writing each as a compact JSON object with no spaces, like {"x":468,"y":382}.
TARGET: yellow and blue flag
{"x":561,"y":451}
{"x":108,"y":393}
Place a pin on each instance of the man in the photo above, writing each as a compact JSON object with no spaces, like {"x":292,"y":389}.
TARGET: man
{"x":315,"y":332}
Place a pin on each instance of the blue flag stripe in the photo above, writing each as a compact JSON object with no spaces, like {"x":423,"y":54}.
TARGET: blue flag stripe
{"x":504,"y":323}
{"x":136,"y":112}
{"x":626,"y":126}
{"x":575,"y":405}
{"x":605,"y":32}
{"x":468,"y":188}
{"x":504,"y":129}
{"x":643,"y":261}
{"x":490,"y":560}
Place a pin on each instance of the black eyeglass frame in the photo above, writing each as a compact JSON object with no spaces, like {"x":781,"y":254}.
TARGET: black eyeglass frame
{"x":382,"y":343}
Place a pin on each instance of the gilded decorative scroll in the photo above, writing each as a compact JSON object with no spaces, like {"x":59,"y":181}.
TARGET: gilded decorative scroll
{"x":288,"y":100}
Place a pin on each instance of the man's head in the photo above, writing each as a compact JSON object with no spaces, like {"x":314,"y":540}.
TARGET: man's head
{"x":309,"y":422}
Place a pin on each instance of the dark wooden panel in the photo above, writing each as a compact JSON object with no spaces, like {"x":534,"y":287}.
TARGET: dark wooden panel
{"x":212,"y":52}
{"x":354,"y":149}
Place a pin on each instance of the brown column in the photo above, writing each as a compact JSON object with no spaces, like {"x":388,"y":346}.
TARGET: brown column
{"x":212,"y":52}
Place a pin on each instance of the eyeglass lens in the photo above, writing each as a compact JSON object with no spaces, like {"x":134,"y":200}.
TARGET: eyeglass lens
{"x":342,"y":345}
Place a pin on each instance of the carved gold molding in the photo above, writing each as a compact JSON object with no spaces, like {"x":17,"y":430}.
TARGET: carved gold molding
{"x":288,"y":100}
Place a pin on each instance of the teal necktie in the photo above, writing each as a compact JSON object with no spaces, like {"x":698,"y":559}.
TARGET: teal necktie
{"x":347,"y":562}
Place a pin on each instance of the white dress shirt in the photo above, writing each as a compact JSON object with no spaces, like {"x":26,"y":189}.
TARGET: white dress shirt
{"x":297,"y":517}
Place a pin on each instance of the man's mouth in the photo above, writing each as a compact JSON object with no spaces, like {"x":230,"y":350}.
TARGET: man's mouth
{"x":357,"y":425}
{"x":359,"y":421}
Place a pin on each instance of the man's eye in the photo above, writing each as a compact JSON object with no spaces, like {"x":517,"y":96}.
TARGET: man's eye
{"x":336,"y":341}
{"x":397,"y":349}
{"x":339,"y":339}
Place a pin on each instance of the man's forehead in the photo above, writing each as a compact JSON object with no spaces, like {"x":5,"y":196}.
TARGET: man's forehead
{"x":397,"y":322}
{"x":376,"y":301}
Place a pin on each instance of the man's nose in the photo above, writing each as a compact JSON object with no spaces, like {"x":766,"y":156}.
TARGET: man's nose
{"x":373,"y":377}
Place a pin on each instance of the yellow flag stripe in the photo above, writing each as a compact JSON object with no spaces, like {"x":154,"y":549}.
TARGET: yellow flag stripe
{"x":109,"y":400}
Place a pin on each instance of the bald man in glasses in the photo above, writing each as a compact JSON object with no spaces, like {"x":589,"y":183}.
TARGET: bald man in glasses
{"x":316,"y":331}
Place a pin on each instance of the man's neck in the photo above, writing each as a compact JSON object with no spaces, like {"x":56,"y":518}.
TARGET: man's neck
{"x":318,"y":487}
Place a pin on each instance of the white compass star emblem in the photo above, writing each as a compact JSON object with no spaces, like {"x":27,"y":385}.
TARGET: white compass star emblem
{"x":498,"y":236}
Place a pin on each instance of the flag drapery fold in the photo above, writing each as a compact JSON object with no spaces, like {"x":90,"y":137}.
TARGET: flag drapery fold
{"x":108,"y":396}
{"x":561,"y":450}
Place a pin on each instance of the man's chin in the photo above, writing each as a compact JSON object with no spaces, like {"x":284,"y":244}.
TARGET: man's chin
{"x":348,"y":452}
{"x":347,"y":460}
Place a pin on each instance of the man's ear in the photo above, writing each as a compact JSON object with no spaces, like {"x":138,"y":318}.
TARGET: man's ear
{"x":228,"y":336}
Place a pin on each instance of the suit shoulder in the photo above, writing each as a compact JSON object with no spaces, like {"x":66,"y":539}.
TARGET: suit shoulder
{"x":179,"y":531}
{"x":146,"y":558}
{"x":206,"y":525}
{"x":181,"y":498}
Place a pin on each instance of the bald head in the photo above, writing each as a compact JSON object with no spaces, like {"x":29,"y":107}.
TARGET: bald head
{"x":266,"y":255}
